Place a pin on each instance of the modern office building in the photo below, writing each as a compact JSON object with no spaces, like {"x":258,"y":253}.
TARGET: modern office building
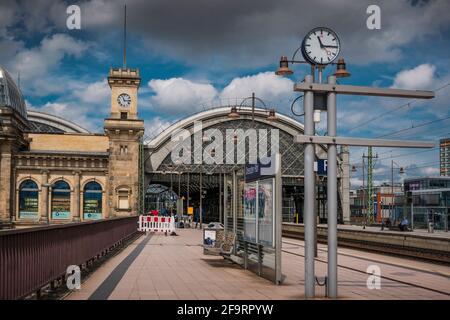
{"x":444,"y":157}
{"x":425,"y":198}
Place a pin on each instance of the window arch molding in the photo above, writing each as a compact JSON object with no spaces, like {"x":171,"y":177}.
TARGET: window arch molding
{"x":92,"y":203}
{"x":28,"y":195}
{"x":61,"y":199}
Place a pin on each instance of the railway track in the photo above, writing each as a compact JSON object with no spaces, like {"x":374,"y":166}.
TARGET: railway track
{"x":408,"y":283}
{"x":447,"y":277}
{"x":385,"y":248}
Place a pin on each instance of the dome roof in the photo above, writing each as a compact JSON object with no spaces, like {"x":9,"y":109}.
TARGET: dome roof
{"x":41,"y":122}
{"x":10,"y":95}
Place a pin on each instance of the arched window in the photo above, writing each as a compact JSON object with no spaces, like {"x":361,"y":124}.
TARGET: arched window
{"x":60,"y":200}
{"x":28,"y":200}
{"x":92,"y":200}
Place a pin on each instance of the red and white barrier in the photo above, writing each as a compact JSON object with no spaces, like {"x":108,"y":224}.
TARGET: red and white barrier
{"x":156,"y":224}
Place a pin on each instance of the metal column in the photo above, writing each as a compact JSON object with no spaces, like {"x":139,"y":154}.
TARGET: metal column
{"x":308,"y":103}
{"x":220,"y":198}
{"x":201,"y":201}
{"x":332,"y":193}
{"x":187,"y":192}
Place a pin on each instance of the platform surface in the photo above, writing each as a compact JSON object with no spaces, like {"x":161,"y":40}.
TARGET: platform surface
{"x":174,"y":267}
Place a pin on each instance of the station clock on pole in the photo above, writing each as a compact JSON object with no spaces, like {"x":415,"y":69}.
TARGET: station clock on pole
{"x":320,"y":46}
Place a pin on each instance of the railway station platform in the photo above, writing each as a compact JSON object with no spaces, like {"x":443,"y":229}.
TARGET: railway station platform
{"x":156,"y":266}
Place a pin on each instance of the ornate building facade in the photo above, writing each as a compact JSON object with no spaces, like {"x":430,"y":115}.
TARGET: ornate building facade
{"x":54,"y":171}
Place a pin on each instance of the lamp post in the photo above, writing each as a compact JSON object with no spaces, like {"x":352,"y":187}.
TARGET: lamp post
{"x":204,"y":139}
{"x":234,"y":112}
{"x":363,"y":193}
{"x":401,"y":171}
{"x":318,"y":53}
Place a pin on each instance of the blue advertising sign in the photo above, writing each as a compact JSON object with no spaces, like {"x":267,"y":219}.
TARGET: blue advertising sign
{"x":60,"y":215}
{"x":261,"y":169}
{"x":93,"y":216}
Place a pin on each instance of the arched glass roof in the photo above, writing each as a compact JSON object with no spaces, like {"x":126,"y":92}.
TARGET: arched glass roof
{"x":10,"y":95}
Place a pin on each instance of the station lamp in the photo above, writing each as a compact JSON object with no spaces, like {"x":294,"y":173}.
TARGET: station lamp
{"x":233,"y":113}
{"x":341,"y":71}
{"x":271,"y":116}
{"x":284,"y":70}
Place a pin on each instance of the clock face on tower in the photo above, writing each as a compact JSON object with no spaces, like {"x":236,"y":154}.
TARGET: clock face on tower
{"x":321,"y":46}
{"x":124,"y":100}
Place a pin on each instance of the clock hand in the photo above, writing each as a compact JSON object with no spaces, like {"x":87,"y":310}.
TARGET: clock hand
{"x":320,"y":42}
{"x":329,"y":46}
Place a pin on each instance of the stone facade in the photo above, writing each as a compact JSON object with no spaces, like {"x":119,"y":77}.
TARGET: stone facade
{"x":97,"y":172}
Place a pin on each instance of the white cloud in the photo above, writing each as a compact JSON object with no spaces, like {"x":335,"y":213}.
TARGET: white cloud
{"x":37,"y":62}
{"x":155,"y":126}
{"x":266,"y":85}
{"x":180,"y":95}
{"x":420,"y":77}
{"x":75,"y":113}
{"x":96,"y":92}
{"x":86,"y":104}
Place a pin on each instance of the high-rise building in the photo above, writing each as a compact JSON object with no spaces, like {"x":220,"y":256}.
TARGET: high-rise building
{"x":445,"y":157}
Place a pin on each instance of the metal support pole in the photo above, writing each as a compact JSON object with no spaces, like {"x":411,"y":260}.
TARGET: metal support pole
{"x":225,"y":203}
{"x":316,"y":177}
{"x":332,"y":194}
{"x":364,"y":209}
{"x":187,"y":192}
{"x":171,"y":193}
{"x":308,"y":105}
{"x":253,"y":107}
{"x":180,"y":201}
{"x":200,"y":210}
{"x":392,"y":191}
{"x":220,"y":198}
{"x":235,"y":201}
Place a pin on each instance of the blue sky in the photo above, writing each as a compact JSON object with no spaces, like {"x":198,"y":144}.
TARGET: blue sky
{"x":199,"y":53}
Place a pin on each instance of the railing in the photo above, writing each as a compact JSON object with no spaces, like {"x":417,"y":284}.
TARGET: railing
{"x":32,"y":258}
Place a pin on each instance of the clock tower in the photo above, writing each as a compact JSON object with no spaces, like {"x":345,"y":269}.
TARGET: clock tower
{"x":124,"y":130}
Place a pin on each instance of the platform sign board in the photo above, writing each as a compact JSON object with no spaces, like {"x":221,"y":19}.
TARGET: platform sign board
{"x":262,"y":218}
{"x":321,"y":166}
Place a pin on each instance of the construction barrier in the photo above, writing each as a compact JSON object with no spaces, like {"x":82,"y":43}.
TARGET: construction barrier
{"x":156,"y":224}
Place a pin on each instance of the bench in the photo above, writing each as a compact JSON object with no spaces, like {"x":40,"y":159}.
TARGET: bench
{"x":397,"y":228}
{"x":223,"y":245}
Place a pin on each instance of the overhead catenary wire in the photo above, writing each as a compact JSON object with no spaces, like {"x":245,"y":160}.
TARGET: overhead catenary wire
{"x":381,"y":115}
{"x":414,"y":127}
